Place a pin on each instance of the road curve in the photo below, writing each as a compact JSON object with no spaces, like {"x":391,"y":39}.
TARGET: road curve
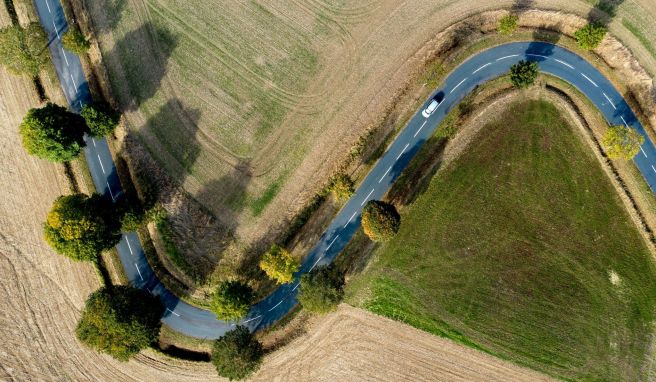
{"x":475,"y":71}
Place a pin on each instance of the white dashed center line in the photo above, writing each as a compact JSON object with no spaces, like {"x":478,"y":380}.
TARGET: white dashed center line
{"x":101,"y":165}
{"x":55,"y":25}
{"x":365,"y":199}
{"x":138,"y":271}
{"x":643,"y":152}
{"x":351,"y":218}
{"x":110,"y":190}
{"x":94,"y":142}
{"x":64,"y":54}
{"x":296,"y":287}
{"x":315,"y":264}
{"x":486,"y":65}
{"x":332,"y":242}
{"x":536,"y":55}
{"x":623,"y":120}
{"x":169,"y":310}
{"x":275,"y":306}
{"x":420,"y":127}
{"x":74,"y":84}
{"x":564,"y":63}
{"x":129,"y":246}
{"x":652,"y":167}
{"x":251,"y":319}
{"x":504,"y":57}
{"x":403,"y":151}
{"x":385,"y":174}
{"x":588,"y":78}
{"x":48,"y":5}
{"x":459,"y":83}
{"x":609,"y":101}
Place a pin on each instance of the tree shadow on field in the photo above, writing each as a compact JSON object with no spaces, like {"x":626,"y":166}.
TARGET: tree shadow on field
{"x":142,"y":55}
{"x":604,"y":11}
{"x":112,"y":11}
{"x":521,"y":6}
{"x":548,"y":35}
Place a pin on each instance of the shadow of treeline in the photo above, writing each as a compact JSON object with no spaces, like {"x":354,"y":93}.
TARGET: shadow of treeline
{"x":142,"y":55}
{"x":604,"y":11}
{"x":112,"y":12}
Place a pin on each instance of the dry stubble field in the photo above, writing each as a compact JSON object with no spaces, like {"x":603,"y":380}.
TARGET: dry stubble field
{"x":46,"y":292}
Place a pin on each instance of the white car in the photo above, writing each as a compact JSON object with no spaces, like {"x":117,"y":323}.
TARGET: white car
{"x":430,"y":109}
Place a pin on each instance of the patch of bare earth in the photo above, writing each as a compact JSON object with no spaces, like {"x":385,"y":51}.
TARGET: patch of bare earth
{"x":355,"y":345}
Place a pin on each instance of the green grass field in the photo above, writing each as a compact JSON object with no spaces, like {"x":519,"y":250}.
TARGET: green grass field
{"x":521,"y":248}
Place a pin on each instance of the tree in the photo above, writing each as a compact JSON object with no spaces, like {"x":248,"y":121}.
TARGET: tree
{"x":80,"y":227}
{"x":120,"y":321}
{"x":23,"y":51}
{"x":53,"y":133}
{"x":622,"y":142}
{"x":507,"y":24}
{"x":523,"y":73}
{"x":232,"y":300}
{"x":380,"y":221}
{"x":101,"y":118}
{"x":321,"y":290}
{"x":279,"y":264}
{"x":75,"y":42}
{"x":237,"y":354}
{"x":341,"y":186}
{"x":590,"y":36}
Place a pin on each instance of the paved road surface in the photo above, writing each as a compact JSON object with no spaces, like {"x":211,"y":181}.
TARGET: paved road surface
{"x":475,"y":71}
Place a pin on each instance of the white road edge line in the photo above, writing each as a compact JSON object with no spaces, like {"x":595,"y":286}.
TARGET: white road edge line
{"x":422,"y":126}
{"x":64,"y":54}
{"x":403,"y":151}
{"x":385,"y":174}
{"x":101,"y":165}
{"x":332,"y":242}
{"x":251,"y":319}
{"x":486,"y":65}
{"x":129,"y":246}
{"x":136,"y":266}
{"x":623,"y":120}
{"x":368,"y":195}
{"x":275,"y":306}
{"x":609,"y":101}
{"x":643,"y":152}
{"x":459,"y":83}
{"x":564,"y":63}
{"x":588,"y":78}
{"x":504,"y":57}
{"x":169,"y":310}
{"x":351,"y":218}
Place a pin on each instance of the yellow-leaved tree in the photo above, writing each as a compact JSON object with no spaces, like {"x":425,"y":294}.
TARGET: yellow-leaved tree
{"x":279,"y":264}
{"x":622,"y":142}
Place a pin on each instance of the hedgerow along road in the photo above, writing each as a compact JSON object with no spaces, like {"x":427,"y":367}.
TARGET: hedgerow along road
{"x":477,"y":70}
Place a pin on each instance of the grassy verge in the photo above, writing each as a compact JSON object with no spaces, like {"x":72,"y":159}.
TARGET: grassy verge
{"x":522,"y":248}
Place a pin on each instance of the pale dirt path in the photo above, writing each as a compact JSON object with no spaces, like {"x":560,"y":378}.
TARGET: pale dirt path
{"x":355,"y":345}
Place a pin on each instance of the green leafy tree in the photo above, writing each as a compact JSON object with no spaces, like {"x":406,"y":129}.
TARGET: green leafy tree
{"x":622,"y":142}
{"x":53,"y":133}
{"x":75,"y":42}
{"x":101,"y":118}
{"x":23,"y":51}
{"x":321,"y":290}
{"x":524,"y":73}
{"x":237,"y":354}
{"x":81,"y":227}
{"x":380,"y":220}
{"x":279,"y":264}
{"x":341,"y":186}
{"x":232,"y":300}
{"x":507,"y":24}
{"x":120,"y":321}
{"x":590,"y":36}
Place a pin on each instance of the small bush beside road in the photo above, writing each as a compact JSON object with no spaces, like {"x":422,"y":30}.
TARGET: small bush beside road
{"x":232,"y":300}
{"x":321,"y":290}
{"x":524,"y":73}
{"x":237,"y":354}
{"x":279,"y":265}
{"x":590,"y":36}
{"x":380,"y":221}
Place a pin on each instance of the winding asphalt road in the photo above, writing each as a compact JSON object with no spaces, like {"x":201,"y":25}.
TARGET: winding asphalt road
{"x":477,"y":70}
